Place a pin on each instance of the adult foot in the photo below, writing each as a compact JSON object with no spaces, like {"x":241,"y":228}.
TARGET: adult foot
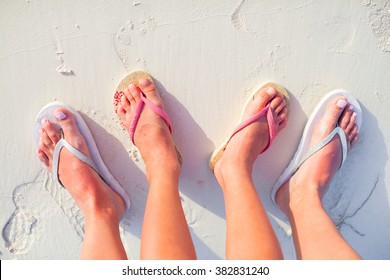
{"x":243,"y":149}
{"x":87,"y":188}
{"x":152,"y":135}
{"x":314,"y":176}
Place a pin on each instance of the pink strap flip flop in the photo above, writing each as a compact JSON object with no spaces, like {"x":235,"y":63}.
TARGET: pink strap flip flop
{"x":217,"y":154}
{"x":134,"y":78}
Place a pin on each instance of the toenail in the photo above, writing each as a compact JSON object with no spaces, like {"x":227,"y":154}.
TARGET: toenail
{"x":144,"y":82}
{"x":43,"y":121}
{"x":117,"y":97}
{"x":270,"y":90}
{"x":354,"y":115}
{"x":341,"y":103}
{"x":60,"y":115}
{"x":41,"y":131}
{"x":351,"y":108}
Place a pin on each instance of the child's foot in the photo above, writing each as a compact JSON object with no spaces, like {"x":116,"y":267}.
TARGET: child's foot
{"x":152,"y":135}
{"x":243,"y":149}
{"x":89,"y":191}
{"x":314,"y":176}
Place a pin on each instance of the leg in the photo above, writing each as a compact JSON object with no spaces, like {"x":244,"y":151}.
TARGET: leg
{"x":249,"y":233}
{"x":102,"y":207}
{"x":300,"y":198}
{"x":165,"y":233}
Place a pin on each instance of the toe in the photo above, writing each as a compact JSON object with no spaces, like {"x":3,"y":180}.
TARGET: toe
{"x":150,"y":91}
{"x":283,"y":115}
{"x":45,"y":141}
{"x":67,"y":122}
{"x":353,"y":132}
{"x":126,"y":101}
{"x":51,"y":133}
{"x":120,"y":111}
{"x":128,"y":94}
{"x":281,"y":106}
{"x":135,"y":94}
{"x":264,"y":96}
{"x":354,"y":141}
{"x":43,"y":158}
{"x":345,"y":117}
{"x":334,"y":111}
{"x":352,"y":123}
{"x":277,"y":102}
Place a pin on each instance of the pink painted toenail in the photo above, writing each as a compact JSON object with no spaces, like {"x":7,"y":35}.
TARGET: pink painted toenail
{"x":341,"y":103}
{"x":43,"y":121}
{"x":354,"y":115}
{"x":351,"y":108}
{"x":41,"y":131}
{"x":60,"y":115}
{"x":117,"y":97}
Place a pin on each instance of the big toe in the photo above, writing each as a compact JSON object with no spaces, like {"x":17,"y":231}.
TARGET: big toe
{"x":67,"y":122}
{"x":334,"y":110}
{"x":149,"y":89}
{"x":266,"y":95}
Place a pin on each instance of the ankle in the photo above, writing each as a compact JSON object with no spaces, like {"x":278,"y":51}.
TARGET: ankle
{"x":293,"y":198}
{"x":229,"y":169}
{"x":104,"y":210}
{"x":163,"y":168}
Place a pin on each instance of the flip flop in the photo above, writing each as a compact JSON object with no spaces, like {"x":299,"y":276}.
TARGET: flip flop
{"x":134,"y":78}
{"x":95,"y":162}
{"x":218,"y":152}
{"x":303,"y":152}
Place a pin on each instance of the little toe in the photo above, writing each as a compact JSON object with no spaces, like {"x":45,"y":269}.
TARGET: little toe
{"x":120,"y":111}
{"x":354,"y":140}
{"x":42,"y":156}
{"x":45,"y":141}
{"x":352,"y":133}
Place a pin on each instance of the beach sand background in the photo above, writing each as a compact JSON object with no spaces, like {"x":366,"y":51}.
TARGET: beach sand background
{"x":207,"y":58}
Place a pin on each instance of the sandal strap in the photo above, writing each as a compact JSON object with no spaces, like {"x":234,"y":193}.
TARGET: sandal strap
{"x":344,"y":145}
{"x":138,"y":111}
{"x":271,"y":124}
{"x":56,"y":157}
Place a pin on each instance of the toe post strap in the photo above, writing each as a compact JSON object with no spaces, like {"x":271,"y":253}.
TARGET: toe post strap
{"x":138,"y":111}
{"x":344,"y":145}
{"x":271,"y":124}
{"x":56,"y":157}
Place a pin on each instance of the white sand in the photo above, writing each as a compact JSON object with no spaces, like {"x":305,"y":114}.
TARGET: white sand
{"x":207,"y":58}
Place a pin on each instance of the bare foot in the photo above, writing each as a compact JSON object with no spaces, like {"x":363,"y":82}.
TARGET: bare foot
{"x":245,"y":146}
{"x":89,"y":191}
{"x":314,"y":176}
{"x":152,"y":135}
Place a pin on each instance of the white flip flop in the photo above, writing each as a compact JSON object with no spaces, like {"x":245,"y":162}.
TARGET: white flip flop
{"x":96,"y":162}
{"x":303,"y":151}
